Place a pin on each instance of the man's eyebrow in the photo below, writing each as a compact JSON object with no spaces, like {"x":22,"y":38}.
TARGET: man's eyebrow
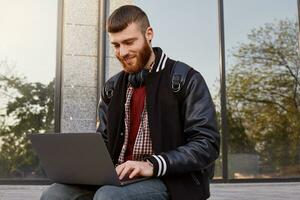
{"x":129,"y":40}
{"x":114,"y":43}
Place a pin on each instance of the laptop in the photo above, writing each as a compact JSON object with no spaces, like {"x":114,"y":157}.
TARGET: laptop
{"x":76,"y":158}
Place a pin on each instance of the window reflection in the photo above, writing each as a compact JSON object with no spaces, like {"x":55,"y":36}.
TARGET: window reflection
{"x":263,"y":89}
{"x":27,"y":69}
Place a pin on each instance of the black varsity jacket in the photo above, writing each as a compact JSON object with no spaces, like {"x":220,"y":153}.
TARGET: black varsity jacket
{"x":184,"y":131}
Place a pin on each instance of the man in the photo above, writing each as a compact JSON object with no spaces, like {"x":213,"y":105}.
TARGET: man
{"x":149,"y":130}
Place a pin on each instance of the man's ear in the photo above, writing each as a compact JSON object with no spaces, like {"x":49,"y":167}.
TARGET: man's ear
{"x":149,"y":34}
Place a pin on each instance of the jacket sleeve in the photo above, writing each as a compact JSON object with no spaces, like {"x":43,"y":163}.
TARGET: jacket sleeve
{"x":102,"y":112}
{"x":106,"y":95}
{"x":200,"y":130}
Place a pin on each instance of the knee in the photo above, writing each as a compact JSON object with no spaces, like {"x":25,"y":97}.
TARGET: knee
{"x":107,"y":192}
{"x":44,"y":196}
{"x":49,"y":194}
{"x":57,"y":192}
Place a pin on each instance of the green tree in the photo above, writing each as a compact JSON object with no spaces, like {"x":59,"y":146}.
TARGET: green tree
{"x":28,"y":109}
{"x":264,"y":96}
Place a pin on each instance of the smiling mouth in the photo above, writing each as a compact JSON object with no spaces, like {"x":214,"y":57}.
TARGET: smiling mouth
{"x":127,"y":60}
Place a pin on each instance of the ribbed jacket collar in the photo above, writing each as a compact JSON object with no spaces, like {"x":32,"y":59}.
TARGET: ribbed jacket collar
{"x":160,"y":60}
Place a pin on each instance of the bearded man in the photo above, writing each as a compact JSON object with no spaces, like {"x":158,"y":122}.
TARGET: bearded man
{"x":148,"y":129}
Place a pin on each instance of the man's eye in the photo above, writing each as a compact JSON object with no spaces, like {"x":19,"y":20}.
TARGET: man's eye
{"x":116,"y":46}
{"x":129,"y":43}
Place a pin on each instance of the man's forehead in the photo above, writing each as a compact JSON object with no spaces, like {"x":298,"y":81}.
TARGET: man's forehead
{"x":131,"y":31}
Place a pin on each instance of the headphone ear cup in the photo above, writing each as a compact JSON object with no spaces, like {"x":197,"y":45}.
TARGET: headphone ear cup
{"x":137,"y":80}
{"x":131,"y":80}
{"x":143,"y":76}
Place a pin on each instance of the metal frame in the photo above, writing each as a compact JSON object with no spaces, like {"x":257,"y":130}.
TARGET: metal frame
{"x":8,"y":181}
{"x":298,"y":5}
{"x":58,"y":75}
{"x":224,"y":128}
{"x":256,"y":180}
{"x":101,"y":47}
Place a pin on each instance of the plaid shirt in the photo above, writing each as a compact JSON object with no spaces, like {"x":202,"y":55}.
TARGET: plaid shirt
{"x":143,"y":144}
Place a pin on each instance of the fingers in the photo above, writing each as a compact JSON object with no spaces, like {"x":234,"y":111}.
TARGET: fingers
{"x":125,"y":169}
{"x":133,"y":169}
{"x":135,"y":173}
{"x":119,"y":169}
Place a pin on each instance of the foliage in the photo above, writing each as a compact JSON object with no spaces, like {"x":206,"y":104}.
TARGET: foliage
{"x":264,"y":96}
{"x":29,"y":109}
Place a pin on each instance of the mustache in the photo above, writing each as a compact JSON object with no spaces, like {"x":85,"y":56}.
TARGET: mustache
{"x":126,"y":57}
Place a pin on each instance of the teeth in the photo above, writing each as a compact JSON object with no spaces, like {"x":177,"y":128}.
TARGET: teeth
{"x":127,"y":59}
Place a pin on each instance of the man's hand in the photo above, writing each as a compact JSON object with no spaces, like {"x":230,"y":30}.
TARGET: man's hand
{"x":133,"y":169}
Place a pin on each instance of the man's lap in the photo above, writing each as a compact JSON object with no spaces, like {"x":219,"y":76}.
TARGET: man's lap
{"x":153,"y":189}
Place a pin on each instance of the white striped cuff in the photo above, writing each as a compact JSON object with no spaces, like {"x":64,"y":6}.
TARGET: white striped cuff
{"x":162,"y":165}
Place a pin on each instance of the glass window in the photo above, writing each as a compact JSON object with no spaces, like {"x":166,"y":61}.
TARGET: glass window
{"x":27,"y":71}
{"x":188,"y":31}
{"x":262,"y":57}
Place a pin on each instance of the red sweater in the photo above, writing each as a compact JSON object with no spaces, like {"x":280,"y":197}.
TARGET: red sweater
{"x":136,"y":108}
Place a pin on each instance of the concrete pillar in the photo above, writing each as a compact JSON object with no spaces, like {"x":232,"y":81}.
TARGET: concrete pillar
{"x":79,"y":65}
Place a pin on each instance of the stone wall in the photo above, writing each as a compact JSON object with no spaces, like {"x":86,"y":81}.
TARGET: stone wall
{"x":79,"y":65}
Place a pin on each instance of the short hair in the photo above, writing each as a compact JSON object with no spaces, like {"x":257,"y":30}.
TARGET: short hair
{"x":124,"y":16}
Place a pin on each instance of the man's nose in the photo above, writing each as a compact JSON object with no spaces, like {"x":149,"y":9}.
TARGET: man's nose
{"x":123,"y":51}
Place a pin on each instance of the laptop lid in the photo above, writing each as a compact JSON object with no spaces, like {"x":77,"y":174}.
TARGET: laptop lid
{"x":75,"y":158}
